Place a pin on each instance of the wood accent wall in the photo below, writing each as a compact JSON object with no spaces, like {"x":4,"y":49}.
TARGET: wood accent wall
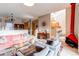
{"x":26,"y":25}
{"x":34,"y":26}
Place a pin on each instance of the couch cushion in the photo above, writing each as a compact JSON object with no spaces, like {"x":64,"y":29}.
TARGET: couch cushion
{"x":55,"y":43}
{"x":51,"y":52}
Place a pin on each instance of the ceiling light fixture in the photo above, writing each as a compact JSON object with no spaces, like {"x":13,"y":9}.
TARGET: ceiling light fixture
{"x":29,"y":4}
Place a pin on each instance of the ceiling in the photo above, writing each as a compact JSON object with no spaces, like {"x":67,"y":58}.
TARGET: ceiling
{"x":22,"y":11}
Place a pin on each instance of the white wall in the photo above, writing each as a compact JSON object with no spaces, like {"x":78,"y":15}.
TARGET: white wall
{"x":18,"y":21}
{"x":46,"y":19}
{"x":68,"y":15}
{"x":76,"y":20}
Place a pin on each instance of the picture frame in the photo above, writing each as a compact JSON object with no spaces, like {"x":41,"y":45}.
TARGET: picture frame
{"x":43,"y":23}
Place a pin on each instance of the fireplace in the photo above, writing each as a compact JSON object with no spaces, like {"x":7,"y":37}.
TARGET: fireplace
{"x":71,"y":38}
